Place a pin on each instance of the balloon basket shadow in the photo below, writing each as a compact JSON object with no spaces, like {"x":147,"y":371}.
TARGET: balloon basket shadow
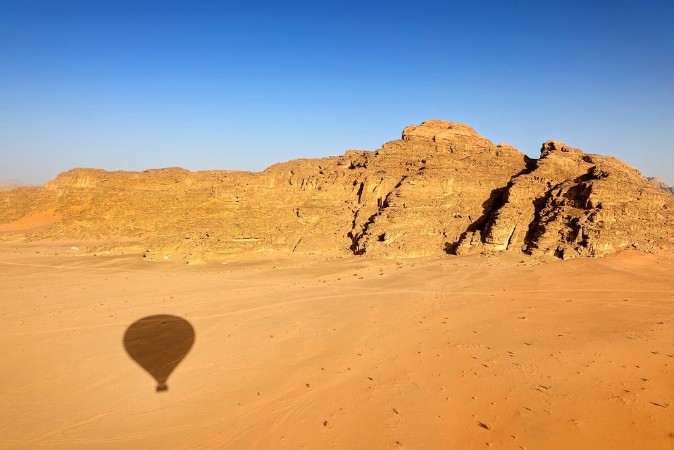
{"x":162,"y":388}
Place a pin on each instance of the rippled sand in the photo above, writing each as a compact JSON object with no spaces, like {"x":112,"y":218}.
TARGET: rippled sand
{"x":329,"y":352}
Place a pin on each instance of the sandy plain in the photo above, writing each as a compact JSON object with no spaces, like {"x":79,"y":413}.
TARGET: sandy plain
{"x":340,"y":352}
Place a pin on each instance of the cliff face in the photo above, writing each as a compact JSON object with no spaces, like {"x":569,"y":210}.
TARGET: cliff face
{"x":441,"y":188}
{"x":572,"y":204}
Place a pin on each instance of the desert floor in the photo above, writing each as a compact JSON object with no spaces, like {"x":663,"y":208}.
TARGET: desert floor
{"x":340,"y":352}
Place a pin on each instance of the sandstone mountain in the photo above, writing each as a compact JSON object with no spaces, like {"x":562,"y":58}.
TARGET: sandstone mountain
{"x":441,"y":188}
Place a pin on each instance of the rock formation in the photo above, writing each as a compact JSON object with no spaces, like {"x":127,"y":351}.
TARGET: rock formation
{"x":442,"y":188}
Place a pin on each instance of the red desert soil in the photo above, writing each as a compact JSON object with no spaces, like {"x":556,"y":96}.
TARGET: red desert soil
{"x":341,"y":352}
{"x":31,"y":222}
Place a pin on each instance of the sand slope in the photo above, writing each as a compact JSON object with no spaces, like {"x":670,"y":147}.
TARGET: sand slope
{"x":452,"y":352}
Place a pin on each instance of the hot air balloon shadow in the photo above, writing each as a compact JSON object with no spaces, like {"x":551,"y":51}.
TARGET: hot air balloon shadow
{"x":158,"y":344}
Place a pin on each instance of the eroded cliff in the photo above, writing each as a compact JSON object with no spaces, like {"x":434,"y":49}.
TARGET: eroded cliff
{"x":441,"y":188}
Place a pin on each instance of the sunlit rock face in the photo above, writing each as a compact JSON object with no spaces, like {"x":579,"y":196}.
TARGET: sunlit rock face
{"x":442,"y":188}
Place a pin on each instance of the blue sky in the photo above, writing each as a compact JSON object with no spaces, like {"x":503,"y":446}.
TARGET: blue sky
{"x":224,"y":85}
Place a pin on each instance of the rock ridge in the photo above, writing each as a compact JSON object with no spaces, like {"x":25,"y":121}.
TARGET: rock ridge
{"x":440,"y":188}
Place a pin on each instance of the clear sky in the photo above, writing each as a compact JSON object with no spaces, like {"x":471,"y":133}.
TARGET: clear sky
{"x":240,"y":85}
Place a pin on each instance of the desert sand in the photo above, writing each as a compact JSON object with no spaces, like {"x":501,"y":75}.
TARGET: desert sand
{"x":334,"y":351}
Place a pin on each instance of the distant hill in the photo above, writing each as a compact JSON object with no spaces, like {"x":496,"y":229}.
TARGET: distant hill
{"x":661,"y":184}
{"x":441,"y":188}
{"x":6,"y":185}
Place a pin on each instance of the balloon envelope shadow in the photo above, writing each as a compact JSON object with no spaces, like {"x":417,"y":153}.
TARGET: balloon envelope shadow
{"x":158,"y":344}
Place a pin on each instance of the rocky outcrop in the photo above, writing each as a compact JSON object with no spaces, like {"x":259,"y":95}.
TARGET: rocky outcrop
{"x":441,"y":188}
{"x":572,"y":204}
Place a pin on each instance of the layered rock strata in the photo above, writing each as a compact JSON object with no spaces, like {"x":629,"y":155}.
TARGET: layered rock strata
{"x":441,"y":188}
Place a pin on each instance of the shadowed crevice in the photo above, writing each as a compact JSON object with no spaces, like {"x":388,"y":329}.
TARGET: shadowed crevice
{"x":497,"y":199}
{"x":382,"y":205}
{"x":576,"y":196}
